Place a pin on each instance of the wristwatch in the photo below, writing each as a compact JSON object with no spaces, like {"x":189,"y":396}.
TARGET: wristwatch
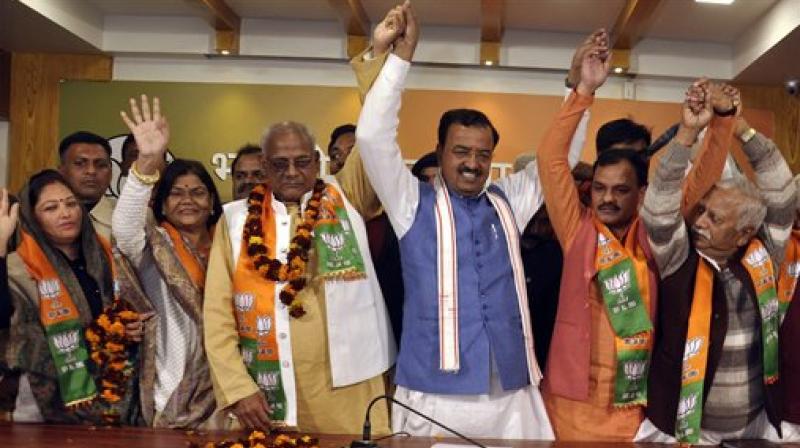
{"x":747,"y":135}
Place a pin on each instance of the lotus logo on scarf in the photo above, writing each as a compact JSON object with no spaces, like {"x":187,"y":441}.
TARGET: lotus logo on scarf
{"x":66,"y":342}
{"x":692,"y":347}
{"x":335,"y":242}
{"x":267,"y":380}
{"x":247,"y":356}
{"x":793,"y":269}
{"x":244,"y":301}
{"x":49,"y":289}
{"x":264,"y":325}
{"x":758,"y":258}
{"x":634,"y":370}
{"x":618,"y":283}
{"x":687,"y":405}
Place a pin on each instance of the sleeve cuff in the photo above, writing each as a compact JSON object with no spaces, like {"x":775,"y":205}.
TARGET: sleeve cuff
{"x":396,"y":69}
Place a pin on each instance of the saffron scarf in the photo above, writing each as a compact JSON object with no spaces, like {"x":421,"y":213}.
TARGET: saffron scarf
{"x":62,"y":324}
{"x":190,"y":262}
{"x":759,"y":267}
{"x":622,"y":274}
{"x":790,"y":271}
{"x":338,"y":257}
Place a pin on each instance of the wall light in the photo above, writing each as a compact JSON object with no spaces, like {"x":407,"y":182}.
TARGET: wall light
{"x":488,"y":62}
{"x":224,"y":52}
{"x":619,"y":70}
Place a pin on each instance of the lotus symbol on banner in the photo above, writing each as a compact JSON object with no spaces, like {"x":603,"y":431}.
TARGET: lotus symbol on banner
{"x":335,"y":242}
{"x":264,"y":325}
{"x":244,"y":301}
{"x":247,"y":356}
{"x":634,"y":370}
{"x":66,"y":342}
{"x":686,"y":405}
{"x":692,"y":347}
{"x":49,"y":289}
{"x":268,"y":380}
{"x":618,"y":283}
{"x":758,"y":258}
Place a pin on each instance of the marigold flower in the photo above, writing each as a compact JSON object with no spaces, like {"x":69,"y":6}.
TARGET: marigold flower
{"x":257,"y":435}
{"x":104,"y":322}
{"x":114,"y":347}
{"x":110,"y":396}
{"x":91,"y":336}
{"x":117,"y":365}
{"x":117,"y":329}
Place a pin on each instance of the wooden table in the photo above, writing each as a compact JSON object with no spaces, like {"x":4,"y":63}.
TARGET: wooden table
{"x":52,"y":436}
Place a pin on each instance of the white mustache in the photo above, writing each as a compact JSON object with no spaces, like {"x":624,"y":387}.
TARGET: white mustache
{"x":702,"y":232}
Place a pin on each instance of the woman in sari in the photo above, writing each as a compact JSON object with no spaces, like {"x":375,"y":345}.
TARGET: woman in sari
{"x":54,"y":287}
{"x":169,"y":255}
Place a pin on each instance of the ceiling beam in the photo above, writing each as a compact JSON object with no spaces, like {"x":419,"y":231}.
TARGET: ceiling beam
{"x":632,"y":22}
{"x":226,"y":23}
{"x":629,"y":29}
{"x":356,"y":24}
{"x":492,"y":29}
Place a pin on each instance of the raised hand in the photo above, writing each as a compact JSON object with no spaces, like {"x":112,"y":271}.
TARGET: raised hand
{"x":599,"y":37}
{"x":151,"y":132}
{"x":696,"y":112}
{"x":8,"y":221}
{"x":724,"y":98}
{"x":390,"y":28}
{"x":594,"y":70}
{"x":406,"y":43}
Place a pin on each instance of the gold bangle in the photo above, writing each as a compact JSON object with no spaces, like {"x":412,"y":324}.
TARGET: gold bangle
{"x":747,"y":135}
{"x":144,"y":178}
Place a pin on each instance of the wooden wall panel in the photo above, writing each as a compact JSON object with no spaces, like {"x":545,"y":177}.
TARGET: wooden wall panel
{"x":786,"y":110}
{"x":34,"y":106}
{"x":5,"y":84}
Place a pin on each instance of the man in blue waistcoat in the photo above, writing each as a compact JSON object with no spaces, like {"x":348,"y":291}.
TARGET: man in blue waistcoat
{"x":466,"y":354}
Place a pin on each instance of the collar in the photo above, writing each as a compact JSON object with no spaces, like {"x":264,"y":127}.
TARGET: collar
{"x":713,"y":263}
{"x":280,"y":208}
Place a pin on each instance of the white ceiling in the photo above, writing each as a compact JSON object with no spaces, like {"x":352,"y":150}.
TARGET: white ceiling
{"x":674,"y":19}
{"x":23,"y":29}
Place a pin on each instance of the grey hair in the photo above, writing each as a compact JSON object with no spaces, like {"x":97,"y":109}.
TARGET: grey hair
{"x":522,"y":161}
{"x":752,"y":209}
{"x":287,"y":127}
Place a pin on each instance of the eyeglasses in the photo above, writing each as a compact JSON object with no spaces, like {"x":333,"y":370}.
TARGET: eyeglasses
{"x":281,"y":165}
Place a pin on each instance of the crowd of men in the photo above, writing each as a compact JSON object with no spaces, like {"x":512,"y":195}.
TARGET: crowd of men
{"x":648,"y":297}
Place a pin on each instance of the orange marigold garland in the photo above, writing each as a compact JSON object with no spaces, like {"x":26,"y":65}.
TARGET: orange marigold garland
{"x":292,"y":272}
{"x":110,"y":353}
{"x":257,"y":439}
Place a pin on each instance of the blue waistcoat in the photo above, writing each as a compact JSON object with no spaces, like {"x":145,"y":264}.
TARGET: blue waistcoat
{"x":489,"y":322}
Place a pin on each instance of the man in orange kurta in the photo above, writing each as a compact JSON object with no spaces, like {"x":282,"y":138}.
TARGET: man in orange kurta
{"x":579,"y":388}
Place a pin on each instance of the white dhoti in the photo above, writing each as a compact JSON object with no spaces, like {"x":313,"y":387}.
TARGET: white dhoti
{"x":516,"y":414}
{"x":760,"y":428}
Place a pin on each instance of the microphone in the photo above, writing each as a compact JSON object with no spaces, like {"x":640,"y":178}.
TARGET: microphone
{"x":366,"y":435}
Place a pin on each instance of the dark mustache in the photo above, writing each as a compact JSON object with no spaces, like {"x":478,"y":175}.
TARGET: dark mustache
{"x":610,"y":207}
